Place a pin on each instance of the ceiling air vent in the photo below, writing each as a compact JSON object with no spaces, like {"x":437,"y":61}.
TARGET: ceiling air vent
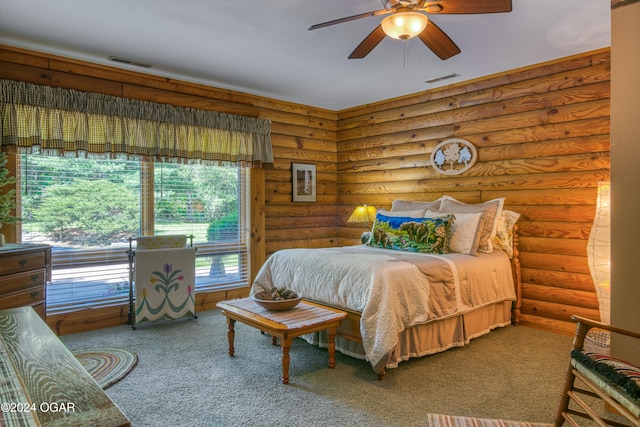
{"x":128,"y":62}
{"x":438,"y":79}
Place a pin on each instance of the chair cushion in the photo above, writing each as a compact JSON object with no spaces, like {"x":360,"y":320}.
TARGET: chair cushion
{"x":621,"y":372}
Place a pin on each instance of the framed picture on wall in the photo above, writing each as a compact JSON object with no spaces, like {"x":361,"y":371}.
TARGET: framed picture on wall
{"x":303,"y":178}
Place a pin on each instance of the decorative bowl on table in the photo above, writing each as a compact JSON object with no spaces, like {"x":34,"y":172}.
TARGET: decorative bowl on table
{"x":267,"y":300}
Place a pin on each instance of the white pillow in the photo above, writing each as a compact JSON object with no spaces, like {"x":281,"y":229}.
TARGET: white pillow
{"x":408,"y":205}
{"x":490,"y":209}
{"x":416,"y":213}
{"x":463,"y":232}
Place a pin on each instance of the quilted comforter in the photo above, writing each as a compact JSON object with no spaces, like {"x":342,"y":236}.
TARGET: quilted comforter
{"x":393,"y":290}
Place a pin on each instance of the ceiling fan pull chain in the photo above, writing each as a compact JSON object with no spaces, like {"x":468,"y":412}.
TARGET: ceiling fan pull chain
{"x":405,"y":53}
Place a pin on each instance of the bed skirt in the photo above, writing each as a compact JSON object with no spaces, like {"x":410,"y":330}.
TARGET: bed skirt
{"x":429,"y":338}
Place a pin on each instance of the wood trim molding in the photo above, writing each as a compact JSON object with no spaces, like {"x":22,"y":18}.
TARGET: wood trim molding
{"x":619,"y":3}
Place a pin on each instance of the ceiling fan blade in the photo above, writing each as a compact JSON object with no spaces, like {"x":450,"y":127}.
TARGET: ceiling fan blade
{"x":347,"y":19}
{"x":438,"y":41}
{"x":467,"y":6}
{"x":367,"y":45}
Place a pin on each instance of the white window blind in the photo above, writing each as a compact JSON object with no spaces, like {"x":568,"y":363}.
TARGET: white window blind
{"x":88,"y":209}
{"x":211,"y":204}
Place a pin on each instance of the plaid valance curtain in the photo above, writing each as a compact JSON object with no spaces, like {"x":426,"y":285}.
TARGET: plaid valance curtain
{"x":70,"y":122}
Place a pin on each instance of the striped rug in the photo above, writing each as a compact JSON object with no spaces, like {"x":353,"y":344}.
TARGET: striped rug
{"x":455,"y":421}
{"x":106,"y":365}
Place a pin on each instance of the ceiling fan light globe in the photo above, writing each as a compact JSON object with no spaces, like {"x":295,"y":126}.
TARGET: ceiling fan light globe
{"x":404,"y":25}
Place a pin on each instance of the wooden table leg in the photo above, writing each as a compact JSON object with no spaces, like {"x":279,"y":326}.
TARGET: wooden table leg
{"x":332,"y":347}
{"x":231,"y":335}
{"x":285,"y":343}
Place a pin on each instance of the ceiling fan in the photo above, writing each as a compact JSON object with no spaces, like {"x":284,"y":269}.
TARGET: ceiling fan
{"x":405,"y":22}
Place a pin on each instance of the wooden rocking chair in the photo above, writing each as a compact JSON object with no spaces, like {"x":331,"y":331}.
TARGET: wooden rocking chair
{"x":615,"y":381}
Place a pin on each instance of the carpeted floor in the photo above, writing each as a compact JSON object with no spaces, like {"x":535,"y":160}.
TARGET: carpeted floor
{"x":185,"y":377}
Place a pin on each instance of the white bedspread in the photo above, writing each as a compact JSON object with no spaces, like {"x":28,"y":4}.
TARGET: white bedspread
{"x":393,"y":290}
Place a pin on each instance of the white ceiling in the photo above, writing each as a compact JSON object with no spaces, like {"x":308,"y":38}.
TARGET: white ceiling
{"x":264,"y":48}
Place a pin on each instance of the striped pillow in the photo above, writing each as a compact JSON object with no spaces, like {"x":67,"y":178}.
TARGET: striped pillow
{"x":619,"y":371}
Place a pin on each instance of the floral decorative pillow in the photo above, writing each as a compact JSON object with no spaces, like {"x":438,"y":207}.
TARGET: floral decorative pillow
{"x":427,"y":235}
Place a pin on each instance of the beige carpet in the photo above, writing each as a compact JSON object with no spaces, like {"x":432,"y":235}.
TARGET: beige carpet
{"x":454,"y":421}
{"x":186,"y":378}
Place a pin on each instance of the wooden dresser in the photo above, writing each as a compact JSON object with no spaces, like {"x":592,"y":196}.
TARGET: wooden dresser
{"x":25,"y":270}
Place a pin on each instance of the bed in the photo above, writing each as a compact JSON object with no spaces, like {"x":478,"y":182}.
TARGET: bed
{"x":432,"y":276}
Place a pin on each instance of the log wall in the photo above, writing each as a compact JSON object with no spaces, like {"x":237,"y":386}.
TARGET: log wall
{"x":542,"y":135}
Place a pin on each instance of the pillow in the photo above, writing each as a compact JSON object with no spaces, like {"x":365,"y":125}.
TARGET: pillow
{"x":464,"y":231}
{"x":621,"y":372}
{"x":427,"y":235}
{"x":416,"y":213}
{"x":408,"y":205}
{"x":488,"y":224}
{"x":504,"y":232}
{"x":161,"y":241}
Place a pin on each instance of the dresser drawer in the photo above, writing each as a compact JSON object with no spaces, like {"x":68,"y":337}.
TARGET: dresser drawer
{"x":25,"y":262}
{"x":26,"y":297}
{"x":25,"y":271}
{"x":19,"y":281}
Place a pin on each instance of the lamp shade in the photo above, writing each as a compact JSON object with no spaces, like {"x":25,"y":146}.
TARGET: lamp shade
{"x":404,"y":25}
{"x":364,"y":213}
{"x":599,"y":251}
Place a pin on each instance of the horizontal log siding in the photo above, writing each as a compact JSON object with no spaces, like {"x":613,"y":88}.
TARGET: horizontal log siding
{"x":542,"y":135}
{"x":300,"y":134}
{"x":301,"y":224}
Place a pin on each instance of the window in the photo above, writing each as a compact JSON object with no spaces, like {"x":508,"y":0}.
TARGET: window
{"x":88,"y":209}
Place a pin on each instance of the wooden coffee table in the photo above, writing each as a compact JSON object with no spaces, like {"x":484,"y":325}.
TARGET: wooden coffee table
{"x":305,"y":318}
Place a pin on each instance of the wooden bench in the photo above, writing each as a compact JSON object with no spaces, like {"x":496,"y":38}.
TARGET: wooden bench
{"x":44,"y":384}
{"x":305,"y":318}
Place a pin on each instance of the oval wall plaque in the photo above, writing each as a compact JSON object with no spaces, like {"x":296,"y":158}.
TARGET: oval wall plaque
{"x":453,"y":156}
